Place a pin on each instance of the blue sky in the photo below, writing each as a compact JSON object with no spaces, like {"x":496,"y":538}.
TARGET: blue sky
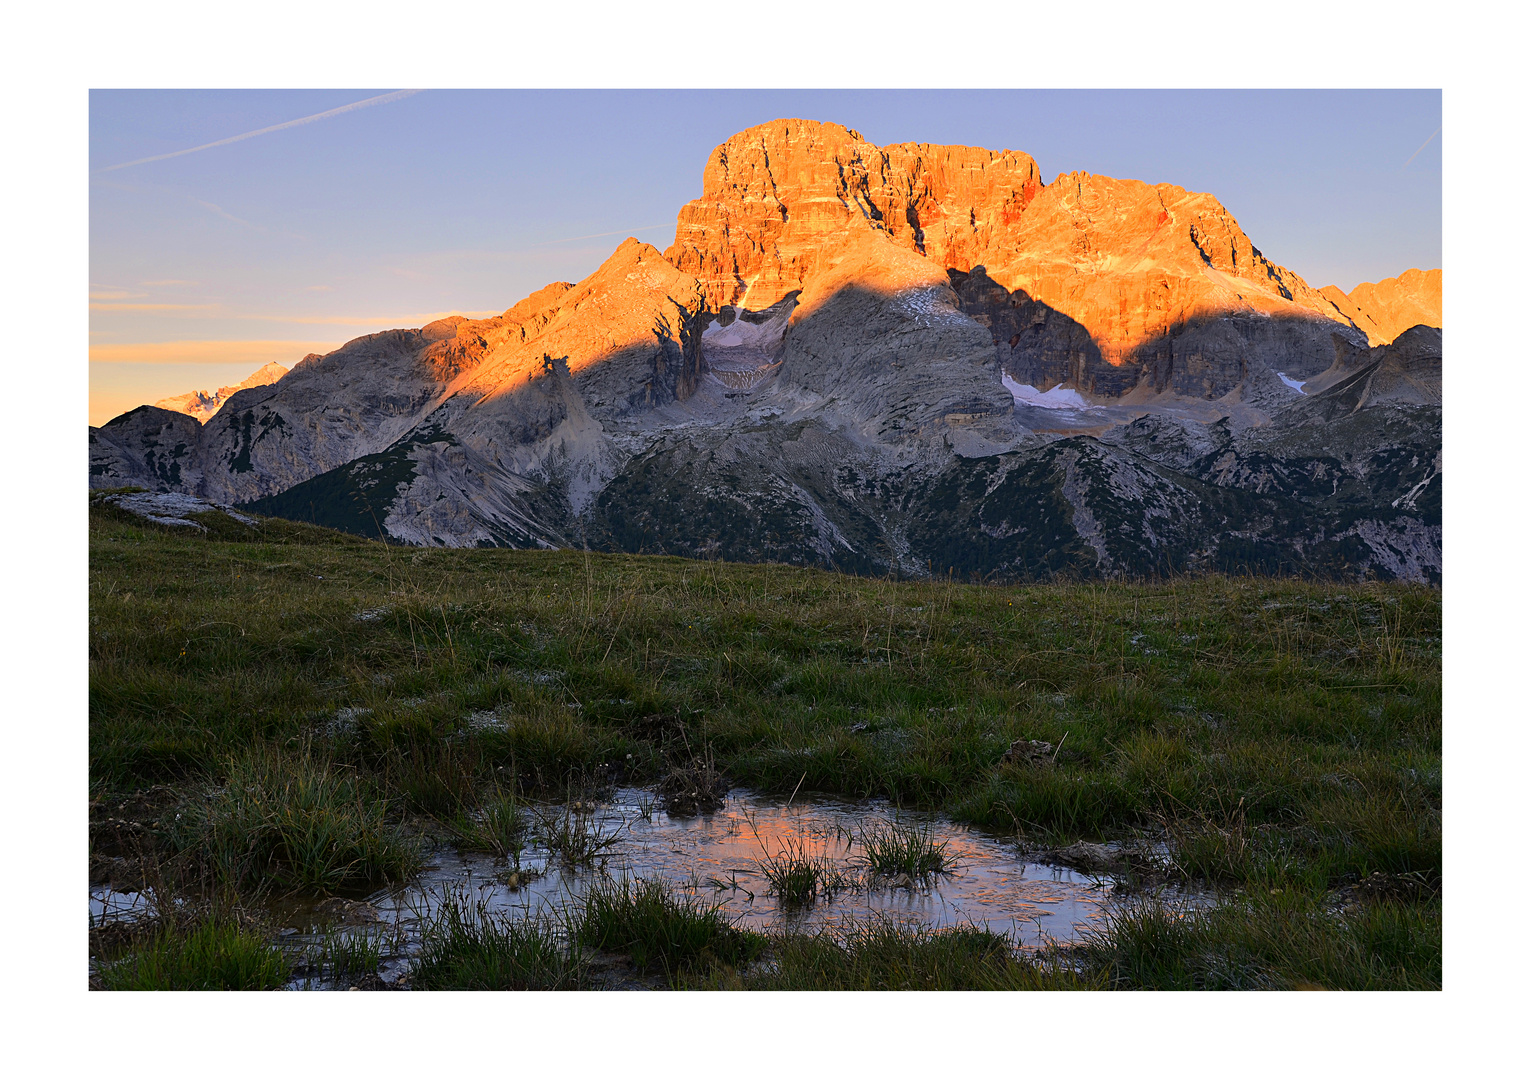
{"x":207,"y":264}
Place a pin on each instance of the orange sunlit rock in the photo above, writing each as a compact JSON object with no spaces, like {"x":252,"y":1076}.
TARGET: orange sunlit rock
{"x":776,"y":197}
{"x":1388,"y":307}
{"x":1115,"y":269}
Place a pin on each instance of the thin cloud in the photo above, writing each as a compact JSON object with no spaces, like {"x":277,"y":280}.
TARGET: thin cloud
{"x":253,"y":352}
{"x":117,"y":294}
{"x":381,"y":321}
{"x":381,"y":99}
{"x":597,"y":235}
{"x":221,"y":212}
{"x":168,"y":281}
{"x":417,"y":319}
{"x":152,"y":307}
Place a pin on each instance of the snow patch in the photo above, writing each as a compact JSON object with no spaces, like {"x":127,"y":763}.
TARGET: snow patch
{"x":741,"y":332}
{"x":1293,"y":383}
{"x":1056,"y":398}
{"x":930,"y":307}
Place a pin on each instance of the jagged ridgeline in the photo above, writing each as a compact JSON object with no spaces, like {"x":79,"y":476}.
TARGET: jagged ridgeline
{"x":912,"y":359}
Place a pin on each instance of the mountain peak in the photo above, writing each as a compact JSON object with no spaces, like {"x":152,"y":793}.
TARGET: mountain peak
{"x":1385,"y":309}
{"x":203,"y":406}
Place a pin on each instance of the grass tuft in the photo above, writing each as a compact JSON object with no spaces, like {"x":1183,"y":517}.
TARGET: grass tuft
{"x":214,"y":955}
{"x":498,"y":826}
{"x":574,"y":837}
{"x":465,"y":946}
{"x":287,"y":821}
{"x":659,"y":930}
{"x":797,"y":878}
{"x":347,"y":957}
{"x":882,"y":955}
{"x":893,"y":849}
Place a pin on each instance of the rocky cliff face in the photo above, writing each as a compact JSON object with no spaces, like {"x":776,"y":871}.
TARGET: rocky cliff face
{"x":777,"y":197}
{"x":1390,"y":306}
{"x":842,"y":362}
{"x":1102,"y":285}
{"x":203,"y":406}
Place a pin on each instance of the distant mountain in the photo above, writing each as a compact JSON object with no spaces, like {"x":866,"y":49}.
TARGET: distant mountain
{"x":913,"y":359}
{"x":1389,"y":307}
{"x":202,"y":406}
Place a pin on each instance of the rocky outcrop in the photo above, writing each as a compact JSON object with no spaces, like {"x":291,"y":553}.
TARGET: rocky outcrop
{"x":148,"y":447}
{"x":1406,"y":372}
{"x":203,"y":406}
{"x":170,"y":508}
{"x":877,"y":332}
{"x":1387,"y":308}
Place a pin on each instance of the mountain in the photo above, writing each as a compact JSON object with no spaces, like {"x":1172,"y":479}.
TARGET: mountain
{"x":913,"y":359}
{"x":202,"y":406}
{"x":1389,"y":307}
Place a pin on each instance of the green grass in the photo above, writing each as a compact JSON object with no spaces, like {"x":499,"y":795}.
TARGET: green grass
{"x":884,"y":956}
{"x":467,"y":947}
{"x":797,"y":878}
{"x":289,"y":822}
{"x":1280,"y":940}
{"x":1282,"y":733}
{"x":660,"y":931}
{"x":893,"y":849}
{"x":215,"y":955}
{"x":498,"y":826}
{"x":574,"y":837}
{"x":347,"y":956}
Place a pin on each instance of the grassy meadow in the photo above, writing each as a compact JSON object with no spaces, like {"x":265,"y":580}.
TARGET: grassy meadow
{"x":287,"y":709}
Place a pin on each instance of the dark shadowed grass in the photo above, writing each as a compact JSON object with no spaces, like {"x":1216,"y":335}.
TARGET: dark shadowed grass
{"x":1282,"y":940}
{"x":467,"y":947}
{"x":575,"y":837}
{"x":215,"y":955}
{"x":660,"y":931}
{"x":884,"y":956}
{"x":289,"y":822}
{"x":1278,"y":733}
{"x":347,"y":956}
{"x":498,"y":826}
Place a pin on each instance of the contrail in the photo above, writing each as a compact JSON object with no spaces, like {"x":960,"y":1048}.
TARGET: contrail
{"x":592,"y":236}
{"x":1422,"y":145}
{"x":381,"y":99}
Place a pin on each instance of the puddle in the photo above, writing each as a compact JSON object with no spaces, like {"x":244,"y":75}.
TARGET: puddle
{"x":111,"y":905}
{"x":715,"y":858}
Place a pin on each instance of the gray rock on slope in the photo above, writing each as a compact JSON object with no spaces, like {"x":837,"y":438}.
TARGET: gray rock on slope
{"x":148,"y":447}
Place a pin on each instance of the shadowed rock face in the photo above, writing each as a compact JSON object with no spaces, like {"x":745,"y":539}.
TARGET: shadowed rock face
{"x":839,"y":364}
{"x":878,"y":331}
{"x":148,"y":447}
{"x":1207,"y":356}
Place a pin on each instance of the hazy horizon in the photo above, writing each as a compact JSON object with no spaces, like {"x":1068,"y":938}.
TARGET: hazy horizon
{"x":217,"y":245}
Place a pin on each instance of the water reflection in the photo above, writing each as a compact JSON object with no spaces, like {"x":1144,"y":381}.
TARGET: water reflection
{"x":715,"y":858}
